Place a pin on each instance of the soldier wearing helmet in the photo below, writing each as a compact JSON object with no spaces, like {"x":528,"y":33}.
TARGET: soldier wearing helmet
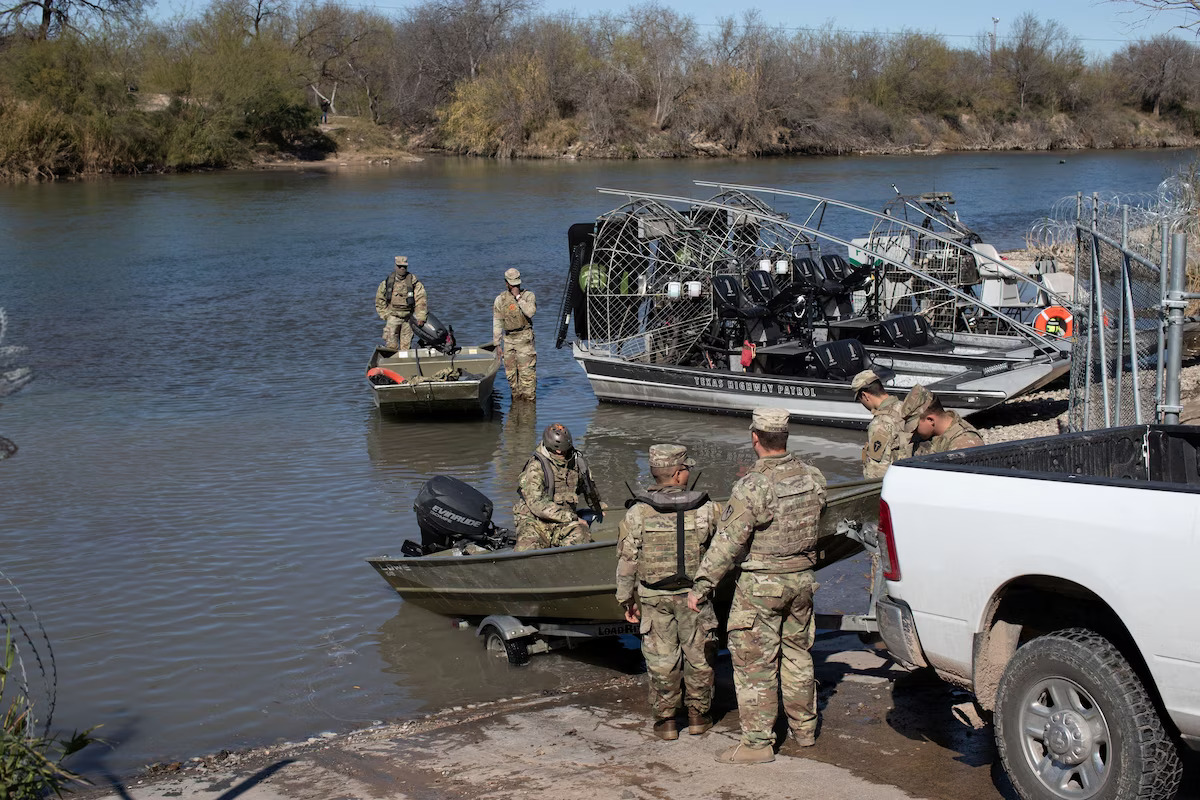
{"x":400,"y":296}
{"x":550,"y":487}
{"x":512,"y":333}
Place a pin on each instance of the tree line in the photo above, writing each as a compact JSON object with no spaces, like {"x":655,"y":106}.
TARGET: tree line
{"x":95,"y":86}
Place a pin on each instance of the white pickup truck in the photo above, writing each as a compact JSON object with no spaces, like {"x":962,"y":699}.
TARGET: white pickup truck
{"x":1059,"y":580}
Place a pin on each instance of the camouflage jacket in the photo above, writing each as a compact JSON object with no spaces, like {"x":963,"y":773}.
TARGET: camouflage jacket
{"x":960,"y":434}
{"x":770,"y":524}
{"x":886,"y":440}
{"x":512,"y":313}
{"x":647,"y":544}
{"x":398,"y":305}
{"x":555,"y":503}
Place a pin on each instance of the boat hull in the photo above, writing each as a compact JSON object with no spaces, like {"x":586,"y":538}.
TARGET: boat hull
{"x":815,"y":401}
{"x":571,"y":583}
{"x":464,"y":397}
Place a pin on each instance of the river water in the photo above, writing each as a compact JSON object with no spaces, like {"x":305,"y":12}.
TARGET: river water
{"x":202,"y":471}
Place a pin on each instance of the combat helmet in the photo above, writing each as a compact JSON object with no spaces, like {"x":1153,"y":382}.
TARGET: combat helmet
{"x":557,"y":439}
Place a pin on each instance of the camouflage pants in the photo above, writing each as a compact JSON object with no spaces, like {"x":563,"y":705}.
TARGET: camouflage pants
{"x":538,"y":534}
{"x":397,"y":332}
{"x":520,"y":364}
{"x":771,"y":628}
{"x":678,"y":645}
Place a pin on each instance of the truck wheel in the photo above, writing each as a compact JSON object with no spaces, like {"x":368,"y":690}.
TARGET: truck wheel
{"x":1073,"y":722}
{"x":515,"y":650}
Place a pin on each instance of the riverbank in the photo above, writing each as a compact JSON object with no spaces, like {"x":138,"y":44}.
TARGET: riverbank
{"x":886,"y":734}
{"x":359,"y":144}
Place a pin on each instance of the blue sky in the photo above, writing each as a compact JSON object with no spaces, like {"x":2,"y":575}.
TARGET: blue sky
{"x":1102,"y":26}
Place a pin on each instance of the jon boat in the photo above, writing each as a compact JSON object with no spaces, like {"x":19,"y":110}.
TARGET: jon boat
{"x":420,"y":393}
{"x":571,"y":583}
{"x":728,"y":305}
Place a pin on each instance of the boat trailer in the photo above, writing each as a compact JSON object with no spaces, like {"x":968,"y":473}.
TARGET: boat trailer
{"x":519,"y":639}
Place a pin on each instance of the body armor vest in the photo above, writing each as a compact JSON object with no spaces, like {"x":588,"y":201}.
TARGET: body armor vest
{"x":793,"y":529}
{"x":672,"y":542}
{"x":512,"y":316}
{"x":400,"y":295}
{"x":561,"y":481}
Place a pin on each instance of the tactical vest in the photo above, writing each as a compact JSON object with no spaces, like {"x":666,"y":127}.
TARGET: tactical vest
{"x":672,"y":543}
{"x":796,"y":509}
{"x":511,"y":315}
{"x":561,"y":481}
{"x":400,"y":294}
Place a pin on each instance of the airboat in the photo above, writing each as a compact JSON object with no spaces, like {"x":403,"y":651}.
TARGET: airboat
{"x":726,"y":304}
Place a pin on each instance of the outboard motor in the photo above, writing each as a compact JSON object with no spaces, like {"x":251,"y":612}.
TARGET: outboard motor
{"x":433,"y":334}
{"x":452,"y":514}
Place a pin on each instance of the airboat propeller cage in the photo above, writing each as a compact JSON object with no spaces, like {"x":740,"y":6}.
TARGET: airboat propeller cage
{"x":432,"y":333}
{"x":449,"y":511}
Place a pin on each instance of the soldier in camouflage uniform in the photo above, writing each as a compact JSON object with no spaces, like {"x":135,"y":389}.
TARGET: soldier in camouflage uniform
{"x":768,"y":534}
{"x":512,"y":319}
{"x":400,"y":295}
{"x":662,"y":539}
{"x":936,"y":430}
{"x":886,"y":439}
{"x":550,"y":486}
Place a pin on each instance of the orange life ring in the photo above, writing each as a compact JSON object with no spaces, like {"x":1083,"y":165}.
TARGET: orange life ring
{"x":385,"y":373}
{"x":1056,"y":321}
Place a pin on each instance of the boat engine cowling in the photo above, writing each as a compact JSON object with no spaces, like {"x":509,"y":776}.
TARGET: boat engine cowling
{"x":453,"y":514}
{"x":432,"y":333}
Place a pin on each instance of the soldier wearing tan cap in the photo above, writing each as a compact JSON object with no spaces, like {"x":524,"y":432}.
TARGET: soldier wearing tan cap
{"x":767,"y":537}
{"x":662,"y":539}
{"x":400,"y":296}
{"x":886,"y":440}
{"x":512,"y":333}
{"x":936,"y":430}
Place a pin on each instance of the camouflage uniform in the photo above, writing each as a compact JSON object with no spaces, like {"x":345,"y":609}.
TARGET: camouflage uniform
{"x":958,"y":435}
{"x":678,"y":644}
{"x":768,"y":533}
{"x":887,"y":441}
{"x":512,"y":318}
{"x":396,"y":309}
{"x":545,"y":515}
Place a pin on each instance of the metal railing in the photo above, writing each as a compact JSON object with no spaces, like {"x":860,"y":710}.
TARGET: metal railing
{"x":1129,"y":315}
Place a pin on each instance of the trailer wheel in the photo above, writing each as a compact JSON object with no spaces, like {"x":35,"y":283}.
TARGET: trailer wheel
{"x":515,"y":650}
{"x":1074,"y":722}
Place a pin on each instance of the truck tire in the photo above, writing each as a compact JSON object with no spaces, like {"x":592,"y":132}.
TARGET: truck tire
{"x":1074,"y":722}
{"x":515,"y":650}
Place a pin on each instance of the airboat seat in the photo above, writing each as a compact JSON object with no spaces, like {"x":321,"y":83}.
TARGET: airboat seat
{"x":842,"y":359}
{"x":731,"y":301}
{"x":849,"y":278}
{"x":911,"y":333}
{"x":809,"y":273}
{"x":762,"y":286}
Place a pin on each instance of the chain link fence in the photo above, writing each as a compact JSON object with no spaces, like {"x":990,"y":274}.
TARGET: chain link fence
{"x":1120,"y":248}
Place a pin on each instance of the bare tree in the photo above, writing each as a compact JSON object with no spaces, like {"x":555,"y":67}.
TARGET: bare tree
{"x":1160,"y":70}
{"x":1038,"y":58}
{"x":47,"y":18}
{"x":1186,"y":6}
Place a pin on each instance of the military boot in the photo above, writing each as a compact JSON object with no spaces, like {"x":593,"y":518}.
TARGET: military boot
{"x":744,"y":754}
{"x":804,"y":739}
{"x":666,"y":729}
{"x":698,"y":722}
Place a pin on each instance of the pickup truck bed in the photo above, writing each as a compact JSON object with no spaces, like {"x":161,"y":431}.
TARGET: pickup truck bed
{"x":1057,"y":579}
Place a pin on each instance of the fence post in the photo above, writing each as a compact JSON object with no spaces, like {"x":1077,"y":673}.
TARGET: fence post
{"x":1164,"y":268}
{"x":1175,"y":305}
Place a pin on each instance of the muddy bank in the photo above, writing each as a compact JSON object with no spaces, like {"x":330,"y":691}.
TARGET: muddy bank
{"x":886,"y":734}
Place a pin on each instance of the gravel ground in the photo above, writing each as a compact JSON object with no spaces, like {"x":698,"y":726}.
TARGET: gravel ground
{"x":1045,"y":413}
